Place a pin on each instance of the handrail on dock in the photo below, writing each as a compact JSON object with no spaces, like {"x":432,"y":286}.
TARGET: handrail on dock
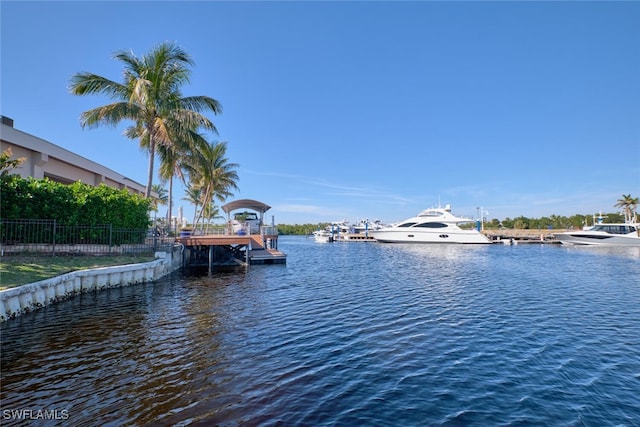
{"x":265,"y":230}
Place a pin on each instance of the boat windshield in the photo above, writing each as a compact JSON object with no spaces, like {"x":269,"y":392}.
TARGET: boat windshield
{"x":432,"y":225}
{"x":431,"y":213}
{"x":614,"y":229}
{"x":245,"y":216}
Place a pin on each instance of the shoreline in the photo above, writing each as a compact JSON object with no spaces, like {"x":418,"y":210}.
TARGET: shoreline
{"x":32,"y":296}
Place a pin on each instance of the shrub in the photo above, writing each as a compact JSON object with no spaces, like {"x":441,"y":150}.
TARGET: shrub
{"x":75,"y":204}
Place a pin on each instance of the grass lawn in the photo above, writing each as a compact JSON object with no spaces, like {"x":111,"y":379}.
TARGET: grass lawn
{"x":16,"y":270}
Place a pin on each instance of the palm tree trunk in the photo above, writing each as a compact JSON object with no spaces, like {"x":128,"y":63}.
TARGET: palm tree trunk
{"x":195,"y":210}
{"x":152,"y":155}
{"x":206,"y":200}
{"x":170,"y":201}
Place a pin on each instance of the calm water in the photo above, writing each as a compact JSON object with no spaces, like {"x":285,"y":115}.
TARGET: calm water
{"x":346,"y":334}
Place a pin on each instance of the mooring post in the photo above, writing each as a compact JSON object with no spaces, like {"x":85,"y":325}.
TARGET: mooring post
{"x":210,"y":259}
{"x":184,"y":257}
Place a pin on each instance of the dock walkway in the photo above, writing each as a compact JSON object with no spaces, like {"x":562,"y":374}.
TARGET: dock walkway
{"x":522,"y":236}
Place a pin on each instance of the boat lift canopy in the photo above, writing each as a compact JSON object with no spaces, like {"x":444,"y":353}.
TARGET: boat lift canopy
{"x":246,"y":204}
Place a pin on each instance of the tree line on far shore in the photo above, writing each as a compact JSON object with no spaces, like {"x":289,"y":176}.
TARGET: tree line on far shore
{"x":554,"y":222}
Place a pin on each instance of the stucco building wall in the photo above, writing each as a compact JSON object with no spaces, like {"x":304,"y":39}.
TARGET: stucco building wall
{"x":45,"y":159}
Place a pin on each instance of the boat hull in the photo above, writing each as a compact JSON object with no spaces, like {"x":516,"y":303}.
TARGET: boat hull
{"x":597,"y":239}
{"x":322,"y":237}
{"x":418,"y":236}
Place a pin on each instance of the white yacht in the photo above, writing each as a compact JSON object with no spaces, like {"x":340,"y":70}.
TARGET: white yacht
{"x":627,"y":234}
{"x":436,"y":225}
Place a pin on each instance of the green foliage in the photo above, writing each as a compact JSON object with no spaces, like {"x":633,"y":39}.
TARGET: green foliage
{"x":553,"y":222}
{"x":6,"y":164}
{"x":162,"y":199}
{"x":299,"y":229}
{"x":75,"y":204}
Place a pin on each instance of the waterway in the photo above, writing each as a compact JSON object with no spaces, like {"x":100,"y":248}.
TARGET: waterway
{"x":344,"y":334}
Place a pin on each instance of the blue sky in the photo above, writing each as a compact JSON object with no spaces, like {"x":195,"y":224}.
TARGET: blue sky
{"x":351,"y":110}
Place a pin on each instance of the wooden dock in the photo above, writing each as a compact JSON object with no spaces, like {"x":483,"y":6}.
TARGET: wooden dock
{"x":515,"y":237}
{"x":228,"y":250}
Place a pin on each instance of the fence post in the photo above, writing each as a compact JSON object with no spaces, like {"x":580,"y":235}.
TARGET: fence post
{"x":53,"y":238}
{"x":110,"y":237}
{"x":156,"y":230}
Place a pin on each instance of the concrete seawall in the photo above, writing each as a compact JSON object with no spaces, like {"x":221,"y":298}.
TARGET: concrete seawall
{"x":26,"y":298}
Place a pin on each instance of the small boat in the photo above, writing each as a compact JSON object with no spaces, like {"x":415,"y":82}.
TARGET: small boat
{"x":620,"y":234}
{"x":436,"y":225}
{"x":323,"y":236}
{"x":246,"y":223}
{"x":333,"y":232}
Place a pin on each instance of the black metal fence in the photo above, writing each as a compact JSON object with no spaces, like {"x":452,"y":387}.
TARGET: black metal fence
{"x":54,"y":238}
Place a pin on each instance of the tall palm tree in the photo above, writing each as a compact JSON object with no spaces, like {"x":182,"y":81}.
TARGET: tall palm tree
{"x":150,"y":97}
{"x":629,"y":205}
{"x":211,"y":172}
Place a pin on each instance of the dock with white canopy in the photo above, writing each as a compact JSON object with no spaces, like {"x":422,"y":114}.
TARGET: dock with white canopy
{"x":238,"y":245}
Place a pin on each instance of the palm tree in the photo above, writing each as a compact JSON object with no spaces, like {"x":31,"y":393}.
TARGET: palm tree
{"x":168,"y":167}
{"x":629,"y":205}
{"x":150,"y":97}
{"x":162,"y":196}
{"x":209,"y":213}
{"x":212,"y":174}
{"x":193,"y":196}
{"x":175,"y":158}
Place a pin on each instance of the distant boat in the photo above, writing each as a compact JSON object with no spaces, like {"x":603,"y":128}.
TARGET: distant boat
{"x":620,"y":234}
{"x":342,"y":231}
{"x":322,"y":236}
{"x":366,"y":226}
{"x":436,"y":225}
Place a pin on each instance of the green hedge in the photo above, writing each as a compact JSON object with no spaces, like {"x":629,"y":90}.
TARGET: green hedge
{"x":75,"y":204}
